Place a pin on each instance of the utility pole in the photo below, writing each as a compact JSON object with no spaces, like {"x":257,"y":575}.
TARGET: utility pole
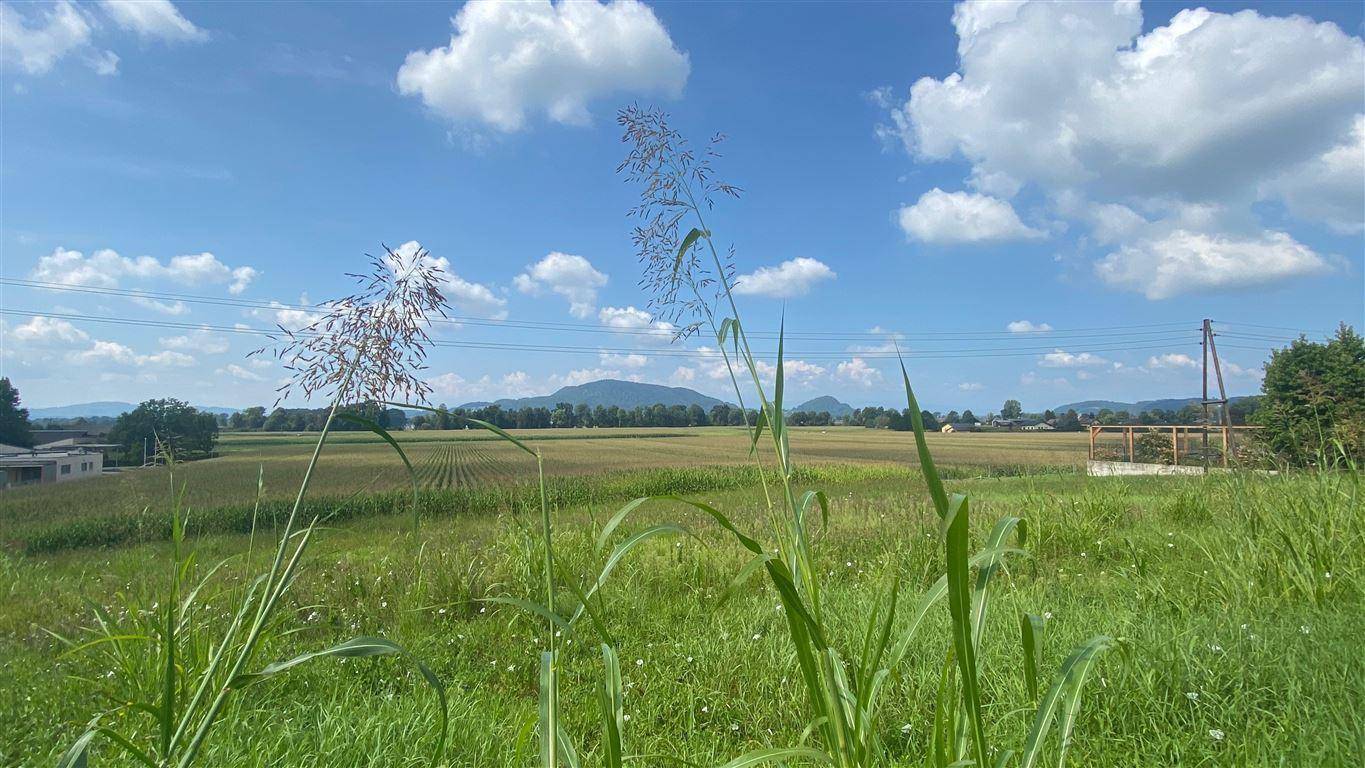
{"x":1224,"y":417}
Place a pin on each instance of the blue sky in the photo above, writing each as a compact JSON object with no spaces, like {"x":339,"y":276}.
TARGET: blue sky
{"x":930,"y":173}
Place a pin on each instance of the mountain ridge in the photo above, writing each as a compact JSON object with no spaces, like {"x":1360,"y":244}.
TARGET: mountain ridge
{"x":606,"y":393}
{"x":1165,"y":404}
{"x":824,"y":403}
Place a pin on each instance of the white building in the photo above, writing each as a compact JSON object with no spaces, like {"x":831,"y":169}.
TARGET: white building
{"x":30,"y":466}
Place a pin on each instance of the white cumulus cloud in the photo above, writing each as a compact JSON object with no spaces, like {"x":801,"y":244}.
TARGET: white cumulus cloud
{"x":1025,"y":326}
{"x":105,"y":268}
{"x":962,"y":217}
{"x":1184,"y":262}
{"x":47,"y":331}
{"x":570,"y":276}
{"x":639,"y":323}
{"x":1062,"y":359}
{"x":469,"y":297}
{"x":37,"y":42}
{"x":238,"y":372}
{"x":507,"y":60}
{"x":153,"y":19}
{"x":629,"y":360}
{"x":857,"y":371}
{"x":1128,"y":132}
{"x":1171,"y":360}
{"x":791,"y":278}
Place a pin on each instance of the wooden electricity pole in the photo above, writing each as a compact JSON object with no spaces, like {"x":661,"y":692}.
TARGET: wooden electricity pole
{"x":1211,"y":349}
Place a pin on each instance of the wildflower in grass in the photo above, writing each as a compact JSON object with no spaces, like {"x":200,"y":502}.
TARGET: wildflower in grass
{"x":639,"y":662}
{"x":1216,"y":734}
{"x":1192,"y":695}
{"x":1305,"y":629}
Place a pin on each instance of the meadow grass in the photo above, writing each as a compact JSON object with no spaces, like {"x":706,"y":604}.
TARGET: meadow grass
{"x":1174,"y":566}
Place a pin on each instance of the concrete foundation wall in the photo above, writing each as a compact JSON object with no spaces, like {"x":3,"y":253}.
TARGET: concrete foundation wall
{"x":1126,"y":468}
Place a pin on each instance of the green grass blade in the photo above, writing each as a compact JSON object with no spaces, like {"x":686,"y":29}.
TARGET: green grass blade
{"x":689,"y":240}
{"x":360,"y":648}
{"x":926,"y":461}
{"x":613,"y":710}
{"x":960,"y":609}
{"x":549,"y":714}
{"x":1031,"y":637}
{"x":1064,"y":694}
{"x":530,"y":606}
{"x":778,"y":755}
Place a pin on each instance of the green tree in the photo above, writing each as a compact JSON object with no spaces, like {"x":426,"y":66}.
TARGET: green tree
{"x":14,"y":426}
{"x":1314,"y":399}
{"x":1011,"y":410}
{"x":930,"y":423}
{"x":177,"y":427}
{"x":969,"y":417}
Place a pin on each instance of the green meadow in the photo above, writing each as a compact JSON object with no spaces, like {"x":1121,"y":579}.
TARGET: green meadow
{"x":1234,"y":601}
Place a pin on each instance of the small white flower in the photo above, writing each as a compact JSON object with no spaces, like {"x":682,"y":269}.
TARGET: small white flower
{"x":1047,"y":615}
{"x":1082,"y":554}
{"x":639,"y":662}
{"x":757,"y":635}
{"x":905,"y":728}
{"x":1169,"y":545}
{"x":1305,"y":629}
{"x":705,"y":709}
{"x":1216,"y":648}
{"x":734,"y":726}
{"x":1192,"y":695}
{"x":1216,"y":734}
{"x":1327,"y":575}
{"x":689,"y":659}
{"x":625,"y":718}
{"x":1245,"y":626}
{"x":848,"y":564}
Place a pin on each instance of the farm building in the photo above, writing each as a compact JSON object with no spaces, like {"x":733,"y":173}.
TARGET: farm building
{"x":33,"y":466}
{"x":961,"y":426}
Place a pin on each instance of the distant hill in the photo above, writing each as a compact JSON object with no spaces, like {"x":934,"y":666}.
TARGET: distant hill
{"x":606,"y":393}
{"x":824,"y":403}
{"x":1167,"y":404}
{"x":107,"y":408}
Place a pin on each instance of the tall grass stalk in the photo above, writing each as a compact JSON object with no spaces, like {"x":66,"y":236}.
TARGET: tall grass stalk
{"x":363,"y":330}
{"x":843,"y":686}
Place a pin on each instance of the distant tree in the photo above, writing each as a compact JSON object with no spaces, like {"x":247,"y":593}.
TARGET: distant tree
{"x":968,"y":417}
{"x":1243,"y":409}
{"x":930,"y":422}
{"x":14,"y":426}
{"x":1049,"y":415}
{"x":562,"y":416}
{"x":178,"y":428}
{"x":952,"y":417}
{"x":1069,"y":421}
{"x":1011,"y":410}
{"x":696,"y":417}
{"x":254,"y":417}
{"x":1314,"y":399}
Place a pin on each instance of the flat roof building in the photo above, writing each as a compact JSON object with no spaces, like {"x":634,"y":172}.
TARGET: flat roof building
{"x":24,"y":466}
